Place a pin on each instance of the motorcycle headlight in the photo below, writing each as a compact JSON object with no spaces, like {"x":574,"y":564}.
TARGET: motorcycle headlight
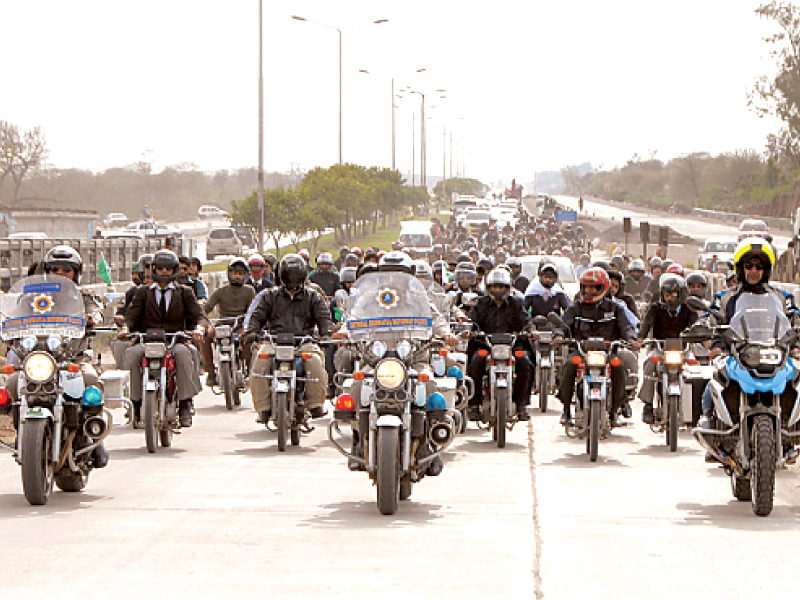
{"x":673,"y":357}
{"x":596,"y":359}
{"x":222,"y":331}
{"x":378,"y":349}
{"x":403,"y":349}
{"x":770,"y":356}
{"x":501,"y":352}
{"x":53,"y":343}
{"x":39,"y":367}
{"x":390,"y":374}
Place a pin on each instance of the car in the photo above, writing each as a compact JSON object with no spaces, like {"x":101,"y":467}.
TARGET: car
{"x":28,"y":235}
{"x":566,"y":272}
{"x":722,"y":249}
{"x":123,"y":234}
{"x":223,"y":240}
{"x":474,"y":220}
{"x":151,"y":229}
{"x":754,"y":228}
{"x":246,"y":234}
{"x":211,"y":212}
{"x":115,"y":220}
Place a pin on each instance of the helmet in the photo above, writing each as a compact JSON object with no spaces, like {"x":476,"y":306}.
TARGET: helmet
{"x":548,"y":268}
{"x":422,"y":270}
{"x":655,"y":262}
{"x":602,"y":264}
{"x":498,"y":277}
{"x":620,"y":278}
{"x":753,"y":248}
{"x":697,"y":277}
{"x":464,"y":257}
{"x":165,"y":258}
{"x":618,"y":262}
{"x":351,"y":260}
{"x":256,"y":259}
{"x":143,"y":263}
{"x":344,"y":251}
{"x":64,"y":256}
{"x":676,"y":268}
{"x":585,"y":256}
{"x":305,"y":254}
{"x":557,"y":252}
{"x":514,"y":261}
{"x":395,"y":261}
{"x":366,"y":268}
{"x":292,"y":271}
{"x":439,"y":266}
{"x":356,"y":250}
{"x":637,"y":264}
{"x":326,"y":258}
{"x":485,"y":264}
{"x":347,"y":275}
{"x":465,"y":273}
{"x":671,"y":283}
{"x":730,"y":276}
{"x":505,"y":267}
{"x":271,"y":259}
{"x":594,"y":276}
{"x":237,"y":264}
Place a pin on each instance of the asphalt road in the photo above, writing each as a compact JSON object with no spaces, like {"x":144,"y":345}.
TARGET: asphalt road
{"x":223,"y":514}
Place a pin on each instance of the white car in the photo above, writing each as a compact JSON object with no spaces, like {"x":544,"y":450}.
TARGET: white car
{"x":151,"y":229}
{"x":566,"y":272}
{"x":211,"y":212}
{"x":754,"y":228}
{"x":115,"y":220}
{"x":28,"y":235}
{"x":722,"y":249}
{"x":474,"y":220}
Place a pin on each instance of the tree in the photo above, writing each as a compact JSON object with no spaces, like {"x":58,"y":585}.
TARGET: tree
{"x":780,"y":97}
{"x":21,"y":153}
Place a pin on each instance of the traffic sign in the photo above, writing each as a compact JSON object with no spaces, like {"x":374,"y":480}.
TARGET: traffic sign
{"x":566,"y":215}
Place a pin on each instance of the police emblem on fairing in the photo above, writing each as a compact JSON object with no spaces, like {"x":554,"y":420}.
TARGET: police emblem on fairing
{"x":387,"y":298}
{"x":42,"y":304}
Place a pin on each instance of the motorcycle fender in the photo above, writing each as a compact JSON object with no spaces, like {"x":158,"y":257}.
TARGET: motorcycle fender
{"x":501,"y":382}
{"x":719,"y":404}
{"x":152,"y":385}
{"x":71,"y":383}
{"x":389,"y":421}
{"x":544,"y":363}
{"x":37,"y":412}
{"x":282,"y":386}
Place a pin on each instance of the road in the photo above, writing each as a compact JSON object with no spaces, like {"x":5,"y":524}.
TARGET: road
{"x":224,"y":515}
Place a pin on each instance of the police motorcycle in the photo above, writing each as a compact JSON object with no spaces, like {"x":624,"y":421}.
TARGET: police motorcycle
{"x":288,"y":412}
{"x":670,"y":409}
{"x":760,"y":338}
{"x":401,"y":417}
{"x":59,"y":420}
{"x":233,"y":370}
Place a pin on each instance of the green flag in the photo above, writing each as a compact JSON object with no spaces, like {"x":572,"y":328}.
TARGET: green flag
{"x":103,"y":270}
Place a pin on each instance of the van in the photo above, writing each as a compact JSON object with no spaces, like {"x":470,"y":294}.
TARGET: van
{"x":416,"y":236}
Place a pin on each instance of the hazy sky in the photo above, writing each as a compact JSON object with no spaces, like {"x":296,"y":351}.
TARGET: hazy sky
{"x":531,"y":84}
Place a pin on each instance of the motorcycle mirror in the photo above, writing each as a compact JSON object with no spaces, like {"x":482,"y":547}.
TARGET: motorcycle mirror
{"x":539,"y":320}
{"x":790,"y":337}
{"x":555,"y":319}
{"x":698,"y":304}
{"x":729,"y":336}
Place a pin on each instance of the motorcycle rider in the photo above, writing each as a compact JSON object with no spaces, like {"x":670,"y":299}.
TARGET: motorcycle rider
{"x":520,"y":282}
{"x":637,"y":281}
{"x":294,"y":308}
{"x":697,"y":284}
{"x":339,"y":263}
{"x":656,"y":270}
{"x":544,"y":295}
{"x":258,"y":278}
{"x":172,"y":307}
{"x":466,"y":279}
{"x":618,"y":292}
{"x":666,"y":318}
{"x":324,"y":275}
{"x":595,"y":315}
{"x":185,"y":278}
{"x":583,"y":265}
{"x":500,"y":312}
{"x":233,"y":299}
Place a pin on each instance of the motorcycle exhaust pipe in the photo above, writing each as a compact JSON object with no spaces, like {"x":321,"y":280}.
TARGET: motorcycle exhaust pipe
{"x":95,"y":427}
{"x":442,"y":432}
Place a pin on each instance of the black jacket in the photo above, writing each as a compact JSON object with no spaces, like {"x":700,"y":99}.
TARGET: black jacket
{"x":278,"y":312}
{"x":605,"y":319}
{"x":509,"y":317}
{"x":665,"y":324}
{"x":183,"y":312}
{"x":328,"y":281}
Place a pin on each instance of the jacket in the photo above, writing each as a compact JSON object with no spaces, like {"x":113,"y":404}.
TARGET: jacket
{"x":278,"y":312}
{"x":183,"y":312}
{"x":605,"y":319}
{"x":664,"y":323}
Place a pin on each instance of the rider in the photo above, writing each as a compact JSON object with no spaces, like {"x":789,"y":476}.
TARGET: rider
{"x":637,"y":281}
{"x":697,"y":284}
{"x":233,"y":299}
{"x":172,"y":307}
{"x":544,"y":295}
{"x":185,"y":278}
{"x":618,"y":291}
{"x":294,"y":308}
{"x":324,"y":275}
{"x":501,"y":312}
{"x":594,"y":315}
{"x":520,"y":282}
{"x":258,"y":276}
{"x":666,"y":319}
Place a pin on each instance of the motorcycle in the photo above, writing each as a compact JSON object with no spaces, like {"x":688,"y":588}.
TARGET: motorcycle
{"x":402,"y":418}
{"x":498,"y":411}
{"x":160,"y":417}
{"x":750,"y":448}
{"x":59,"y":420}
{"x":288,"y":412}
{"x":549,"y":359}
{"x":669,"y":406}
{"x":233,"y":370}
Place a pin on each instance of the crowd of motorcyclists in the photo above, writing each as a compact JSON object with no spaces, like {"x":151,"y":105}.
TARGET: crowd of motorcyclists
{"x":472,"y":279}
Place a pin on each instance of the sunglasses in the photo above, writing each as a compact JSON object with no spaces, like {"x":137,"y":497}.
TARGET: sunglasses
{"x":756,"y":266}
{"x":60,"y":269}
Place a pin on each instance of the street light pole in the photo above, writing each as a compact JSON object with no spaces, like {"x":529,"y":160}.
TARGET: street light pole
{"x":260,"y":192}
{"x":392,"y":123}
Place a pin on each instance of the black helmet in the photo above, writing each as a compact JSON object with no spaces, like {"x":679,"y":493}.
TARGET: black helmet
{"x":671,"y":283}
{"x":351,"y":260}
{"x":292,"y":271}
{"x":165,"y":258}
{"x":344,"y":251}
{"x":237,"y":264}
{"x":498,"y":277}
{"x":64,"y":256}
{"x":143,"y":264}
{"x":602,"y":264}
{"x":620,"y":278}
{"x":347,"y":275}
{"x":697,"y":277}
{"x":465,"y":273}
{"x":396,"y":261}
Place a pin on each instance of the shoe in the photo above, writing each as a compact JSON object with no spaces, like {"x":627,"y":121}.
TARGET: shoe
{"x":211,"y":379}
{"x":625,"y":409}
{"x":704,"y":422}
{"x":710,"y":458}
{"x":474,"y":413}
{"x":185,"y":413}
{"x":435,"y":467}
{"x":647,"y":414}
{"x":100,"y":456}
{"x":318,"y":412}
{"x":263,"y":417}
{"x":522,"y":414}
{"x":566,"y":415}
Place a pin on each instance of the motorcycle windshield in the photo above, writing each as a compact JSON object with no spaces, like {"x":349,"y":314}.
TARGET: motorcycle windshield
{"x":759,"y":318}
{"x":42,"y":305}
{"x":391,"y":306}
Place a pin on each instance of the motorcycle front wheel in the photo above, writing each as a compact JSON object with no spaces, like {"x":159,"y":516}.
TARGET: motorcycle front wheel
{"x":762,"y":472}
{"x":280,"y":420}
{"x":501,"y":405}
{"x":227,"y":384}
{"x":672,"y":424}
{"x":150,"y":416}
{"x":544,"y":389}
{"x":593,"y":441}
{"x":387,"y":476}
{"x":37,"y":469}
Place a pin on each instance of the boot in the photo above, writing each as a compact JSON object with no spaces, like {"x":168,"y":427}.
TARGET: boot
{"x":318,"y":412}
{"x":625,"y":409}
{"x":647,"y":414}
{"x":566,"y":414}
{"x":185,"y":412}
{"x":211,"y":378}
{"x":263,"y":417}
{"x":100,"y":456}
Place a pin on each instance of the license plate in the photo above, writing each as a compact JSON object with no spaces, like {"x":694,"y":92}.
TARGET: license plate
{"x":594,"y":394}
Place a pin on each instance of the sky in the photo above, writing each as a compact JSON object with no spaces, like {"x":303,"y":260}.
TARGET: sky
{"x":530,"y":85}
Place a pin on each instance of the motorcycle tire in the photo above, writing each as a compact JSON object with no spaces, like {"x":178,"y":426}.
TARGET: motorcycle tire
{"x":37,"y":469}
{"x":593,"y":441}
{"x":673,"y":424}
{"x":295,"y":436}
{"x":280,"y":420}
{"x":405,"y":488}
{"x":501,"y":404}
{"x":464,"y":419}
{"x":165,"y":437}
{"x":544,"y":389}
{"x":67,"y":481}
{"x":150,"y":418}
{"x":227,"y":384}
{"x":762,"y":471}
{"x":740,"y":488}
{"x":387,"y":476}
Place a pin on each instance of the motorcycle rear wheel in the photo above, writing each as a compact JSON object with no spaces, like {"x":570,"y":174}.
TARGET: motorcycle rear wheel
{"x":67,"y":481}
{"x":295,"y":436}
{"x":280,"y":420}
{"x":544,"y":389}
{"x":227,"y":384}
{"x":762,"y":472}
{"x":387,"y":476}
{"x":37,"y":469}
{"x":593,"y":440}
{"x":501,"y":404}
{"x":672,"y":424}
{"x":150,"y":418}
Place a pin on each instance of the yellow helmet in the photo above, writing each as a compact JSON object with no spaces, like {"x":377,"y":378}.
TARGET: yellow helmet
{"x":754,"y":247}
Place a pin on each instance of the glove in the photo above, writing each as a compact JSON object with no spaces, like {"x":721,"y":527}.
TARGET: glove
{"x":249,"y":337}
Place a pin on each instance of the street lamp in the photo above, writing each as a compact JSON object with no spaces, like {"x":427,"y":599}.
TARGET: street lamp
{"x":423,"y":153}
{"x":378,"y":22}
